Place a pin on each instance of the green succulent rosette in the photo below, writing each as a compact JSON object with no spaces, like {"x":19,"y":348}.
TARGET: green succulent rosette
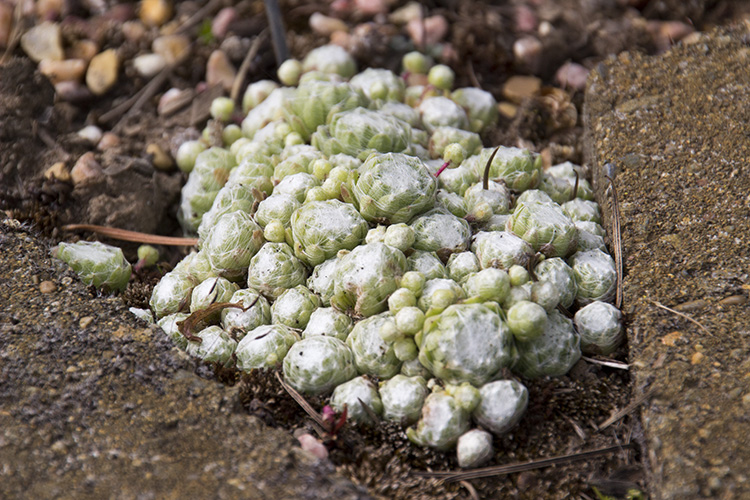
{"x":450,"y":202}
{"x":211,"y":291}
{"x":580,"y":210}
{"x":526,"y":320}
{"x":321,"y":228}
{"x":321,"y":280}
{"x":545,"y":227}
{"x":209,"y":175}
{"x":461,"y":266}
{"x":399,"y":110}
{"x":268,"y":111}
{"x":171,"y":326}
{"x":442,"y":112}
{"x":330,"y":59}
{"x":361,"y":132}
{"x":352,"y":395}
{"x":448,"y":344}
{"x":441,"y":424}
{"x":474,"y":448}
{"x":216,"y":346}
{"x":553,"y":353}
{"x":481,"y":204}
{"x":426,"y":263}
{"x":488,"y":284}
{"x":519,"y":169}
{"x":560,"y":274}
{"x":458,"y":180}
{"x":393,"y":188}
{"x":559,"y":182}
{"x":315,"y":101}
{"x":501,"y":249}
{"x":294,"y":307}
{"x":172,"y":294}
{"x":599,"y":325}
{"x":434,"y":294}
{"x":328,"y":321}
{"x":480,"y":106}
{"x":365,"y":278}
{"x":373,"y":355}
{"x":502,"y":404}
{"x":264,"y":347}
{"x":277,"y":207}
{"x":230,"y":198}
{"x":402,"y":398}
{"x":379,"y":84}
{"x":274,"y":269}
{"x":97,"y":264}
{"x":441,"y":137}
{"x":231,"y":244}
{"x":237,"y":322}
{"x":296,"y":163}
{"x":441,"y":232}
{"x":595,"y":274}
{"x":296,"y":185}
{"x":318,"y":364}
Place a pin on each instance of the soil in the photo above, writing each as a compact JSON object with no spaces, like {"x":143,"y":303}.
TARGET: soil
{"x":106,"y":407}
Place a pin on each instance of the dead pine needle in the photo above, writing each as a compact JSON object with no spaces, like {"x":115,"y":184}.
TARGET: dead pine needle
{"x":500,"y":470}
{"x":628,"y":409}
{"x":609,"y":363}
{"x":682,"y":315}
{"x":134,"y":236}
{"x":245,"y":66}
{"x":470,"y":488}
{"x":616,"y":241}
{"x":300,"y":399}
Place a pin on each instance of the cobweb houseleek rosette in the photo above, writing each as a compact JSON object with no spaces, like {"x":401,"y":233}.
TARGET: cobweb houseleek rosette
{"x":97,"y":264}
{"x":354,"y":395}
{"x":321,"y":228}
{"x":442,"y":422}
{"x":545,"y":227}
{"x":318,"y":364}
{"x":393,"y":188}
{"x":519,"y":169}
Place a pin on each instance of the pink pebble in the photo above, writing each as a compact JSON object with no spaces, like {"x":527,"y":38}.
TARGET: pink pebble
{"x":313,"y":446}
{"x":572,"y":75}
{"x":222,"y":20}
{"x":429,"y":32}
{"x":526,"y":20}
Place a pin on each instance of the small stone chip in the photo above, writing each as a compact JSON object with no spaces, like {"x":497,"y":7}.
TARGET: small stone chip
{"x":697,"y":358}
{"x":102,"y":72}
{"x":85,"y":321}
{"x":47,"y":286}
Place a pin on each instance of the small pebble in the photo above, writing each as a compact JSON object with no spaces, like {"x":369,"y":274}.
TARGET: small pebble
{"x":526,"y":19}
{"x":310,"y":444}
{"x":220,"y":71}
{"x":49,"y":10}
{"x":147,"y":65}
{"x":697,"y":358}
{"x":72,"y":91}
{"x":519,"y":87}
{"x":83,"y":49}
{"x":43,"y":42}
{"x":325,"y":25}
{"x":102,"y":72}
{"x":155,"y":12}
{"x":173,"y":48}
{"x":62,"y":71}
{"x":407,"y":13}
{"x":429,"y":32}
{"x":47,"y":287}
{"x":133,"y":31}
{"x":57,"y":171}
{"x":86,"y":169}
{"x":91,"y":133}
{"x":222,"y":20}
{"x":572,"y":75}
{"x":733,"y":300}
{"x":108,"y":141}
{"x":671,"y":338}
{"x":507,"y":109}
{"x":693,"y":305}
{"x":85,"y":321}
{"x":527,"y":51}
{"x":160,"y":159}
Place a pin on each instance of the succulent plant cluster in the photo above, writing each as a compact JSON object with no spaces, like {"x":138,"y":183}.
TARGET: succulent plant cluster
{"x":339,"y":250}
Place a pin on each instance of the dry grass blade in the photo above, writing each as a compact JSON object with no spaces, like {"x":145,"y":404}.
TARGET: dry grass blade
{"x":500,"y":470}
{"x":486,"y":179}
{"x":472,"y":491}
{"x":204,"y":12}
{"x":300,"y":399}
{"x":682,"y":315}
{"x":628,"y":409}
{"x":616,"y":240}
{"x":610,"y":363}
{"x":137,"y":101}
{"x":16,"y":32}
{"x":245,"y":66}
{"x":135,"y":236}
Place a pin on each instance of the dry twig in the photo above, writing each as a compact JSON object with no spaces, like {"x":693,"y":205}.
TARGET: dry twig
{"x":245,"y":66}
{"x":628,"y":409}
{"x":138,"y":99}
{"x":610,"y":363}
{"x":135,"y":236}
{"x":682,"y":315}
{"x":300,"y":399}
{"x":616,"y":240}
{"x":523,"y":466}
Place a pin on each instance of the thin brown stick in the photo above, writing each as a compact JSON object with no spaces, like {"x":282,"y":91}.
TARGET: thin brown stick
{"x":486,"y":178}
{"x":610,"y":363}
{"x":135,"y":236}
{"x":16,"y":33}
{"x":137,"y":101}
{"x":682,"y":315}
{"x":628,"y":409}
{"x":473,"y":75}
{"x":245,"y":66}
{"x":472,"y":491}
{"x":617,"y":240}
{"x":207,"y":10}
{"x":523,"y":466}
{"x":317,"y":417}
